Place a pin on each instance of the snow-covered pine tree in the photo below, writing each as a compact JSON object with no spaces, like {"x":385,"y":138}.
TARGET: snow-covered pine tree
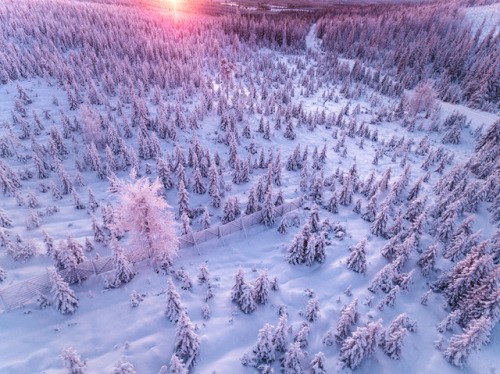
{"x":264,"y":349}
{"x":357,"y":259}
{"x":237,"y":289}
{"x":143,"y":213}
{"x":72,"y":361}
{"x":187,"y":343}
{"x":360,"y":345}
{"x":348,"y":317}
{"x":173,"y":307}
{"x":474,"y":336}
{"x":312,"y":310}
{"x":280,"y":339}
{"x":268,"y":210}
{"x":318,"y":365}
{"x":123,"y":270}
{"x":261,"y":288}
{"x":292,"y":362}
{"x":64,"y":297}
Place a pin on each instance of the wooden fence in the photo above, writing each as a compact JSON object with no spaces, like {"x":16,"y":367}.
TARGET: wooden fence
{"x":26,"y":292}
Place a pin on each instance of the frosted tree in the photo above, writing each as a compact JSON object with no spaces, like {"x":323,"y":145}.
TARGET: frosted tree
{"x":318,"y":365}
{"x":205,"y":221}
{"x":333,"y":205}
{"x":182,"y":199}
{"x":237,"y":289}
{"x":312,"y":310}
{"x":64,"y":297}
{"x":264,"y":350}
{"x":380,"y":222}
{"x":394,"y":343}
{"x":173,"y":307}
{"x":360,"y":345}
{"x":143,"y":213}
{"x":247,"y":301}
{"x":283,"y":227}
{"x":292,"y":362}
{"x":176,"y":366}
{"x":280,"y":339}
{"x":296,"y":251}
{"x":314,"y":219}
{"x":203,"y":275}
{"x":357,"y":259}
{"x":384,"y":280}
{"x":73,"y":362}
{"x":461,"y":346}
{"x":268,"y":210}
{"x":390,"y":298}
{"x":185,"y":224}
{"x":348,"y":317}
{"x":123,"y":270}
{"x":428,"y":259}
{"x":252,"y":204}
{"x":124,"y":368}
{"x":187,"y":344}
{"x":371,"y":209}
{"x":320,"y":248}
{"x":261,"y":288}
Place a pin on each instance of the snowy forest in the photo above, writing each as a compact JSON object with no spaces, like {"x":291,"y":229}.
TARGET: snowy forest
{"x":249,"y":187}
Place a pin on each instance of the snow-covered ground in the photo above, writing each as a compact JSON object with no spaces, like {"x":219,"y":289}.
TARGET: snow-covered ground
{"x":489,"y":14}
{"x":106,"y":329}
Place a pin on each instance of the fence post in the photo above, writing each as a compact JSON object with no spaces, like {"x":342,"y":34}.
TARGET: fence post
{"x":3,"y":302}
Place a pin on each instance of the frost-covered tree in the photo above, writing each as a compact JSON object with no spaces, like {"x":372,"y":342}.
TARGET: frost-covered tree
{"x":124,"y":368}
{"x":173,"y":307}
{"x":123,"y":270}
{"x":142,"y":212}
{"x":176,"y":366}
{"x":280,"y":339}
{"x":357,"y":259}
{"x":292,"y":362}
{"x":314,"y":219}
{"x":247,"y":300}
{"x":64,"y":297}
{"x":428,"y":259}
{"x":203,"y":275}
{"x":384,"y":280}
{"x":348,"y":317}
{"x":237,"y":289}
{"x":264,"y":349}
{"x":73,"y":362}
{"x":318,"y":365}
{"x":261,"y":288}
{"x":360,"y":345}
{"x":394,"y":343}
{"x":461,"y":346}
{"x":268,"y":210}
{"x":312,"y":310}
{"x":187,"y":343}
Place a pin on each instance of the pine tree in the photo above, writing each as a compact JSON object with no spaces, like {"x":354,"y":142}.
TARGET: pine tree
{"x":360,"y":345}
{"x":268,"y":211}
{"x":64,"y":298}
{"x":264,"y":350}
{"x":123,"y":271}
{"x":348,"y":317}
{"x":247,"y":301}
{"x":262,"y":287}
{"x":176,"y":366}
{"x":72,"y":361}
{"x":312,"y":310}
{"x":174,"y":308}
{"x":318,"y":365}
{"x":143,"y":213}
{"x":182,"y":199}
{"x":279,"y":337}
{"x":384,"y":280}
{"x":314,"y":218}
{"x":187,"y":344}
{"x":428,"y":259}
{"x":394,"y":343}
{"x":357,"y":259}
{"x":461,"y":346}
{"x":237,"y":289}
{"x":380,"y":222}
{"x":283,"y":227}
{"x":292,"y":362}
{"x":203,"y":275}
